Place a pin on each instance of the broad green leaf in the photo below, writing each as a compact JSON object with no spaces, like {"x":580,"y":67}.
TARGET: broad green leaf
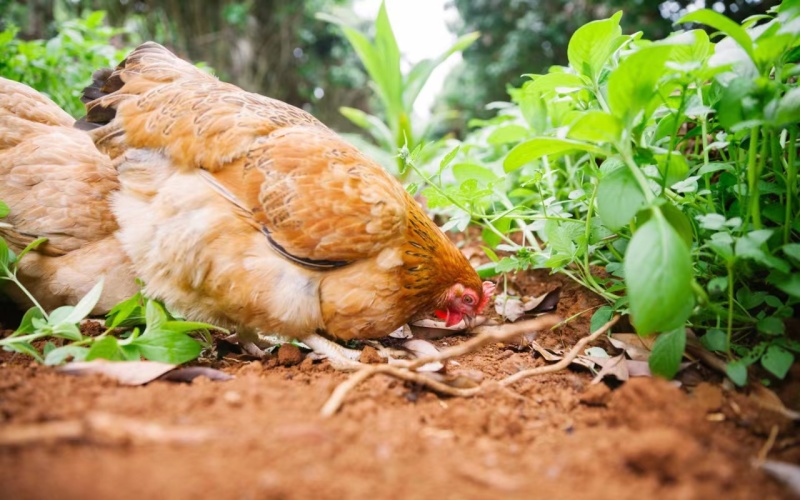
{"x":26,"y":325}
{"x":787,"y":282}
{"x":787,"y":110}
{"x":632,"y":85}
{"x":596,"y":126}
{"x":60,"y":314}
{"x":715,"y":340}
{"x":466,"y":171}
{"x":189,"y":326}
{"x":792,"y":250}
{"x":448,"y":159}
{"x":105,"y":348}
{"x":677,"y":219}
{"x":777,"y":361}
{"x":737,"y":372}
{"x":493,"y":239}
{"x":600,"y":317}
{"x":4,"y":210}
{"x":771,"y":326}
{"x":592,"y":44}
{"x":674,"y":166}
{"x":658,"y":272}
{"x":167,"y":347}
{"x":5,"y":257}
{"x":60,"y":354}
{"x":665,"y":359}
{"x":155,"y":316}
{"x":84,"y":307}
{"x":68,"y":331}
{"x":545,"y":146}
{"x":723,"y":24}
{"x":508,"y":133}
{"x":619,"y":198}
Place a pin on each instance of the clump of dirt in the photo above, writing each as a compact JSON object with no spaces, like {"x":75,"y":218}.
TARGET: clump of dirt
{"x":261,"y":435}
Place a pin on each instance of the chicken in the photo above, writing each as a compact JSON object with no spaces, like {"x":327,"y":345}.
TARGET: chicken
{"x":57,"y":185}
{"x":244,"y":211}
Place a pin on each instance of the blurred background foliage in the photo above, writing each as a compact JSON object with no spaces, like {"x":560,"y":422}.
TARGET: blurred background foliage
{"x":281,"y":49}
{"x":529,"y":36}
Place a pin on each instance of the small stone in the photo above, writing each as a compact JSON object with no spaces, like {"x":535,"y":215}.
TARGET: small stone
{"x":289,"y":355}
{"x":369,"y":355}
{"x":233,"y":398}
{"x":596,"y":395}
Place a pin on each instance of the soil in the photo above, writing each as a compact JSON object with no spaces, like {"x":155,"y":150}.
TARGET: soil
{"x":260,"y":435}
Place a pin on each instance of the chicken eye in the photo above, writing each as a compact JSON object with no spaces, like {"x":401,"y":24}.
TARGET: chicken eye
{"x":469,"y":300}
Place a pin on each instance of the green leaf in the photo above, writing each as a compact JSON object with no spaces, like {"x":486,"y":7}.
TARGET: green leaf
{"x":676,"y":167}
{"x":554,"y":82}
{"x":786,"y":282}
{"x":60,"y":314}
{"x":105,"y":348}
{"x":723,"y":24}
{"x":31,"y":246}
{"x":771,"y":326}
{"x":630,"y":88}
{"x":69,"y":331}
{"x":167,"y":347}
{"x":372,"y":124}
{"x":5,"y":257}
{"x":600,"y":317}
{"x":189,"y":326}
{"x":737,"y":372}
{"x":155,"y":316}
{"x":592,"y":44}
{"x":448,"y":159}
{"x":619,"y":198}
{"x":24,"y":348}
{"x":545,"y":146}
{"x":777,"y":361}
{"x":466,"y":171}
{"x":26,"y":325}
{"x":596,"y":126}
{"x":658,"y":273}
{"x":787,"y":110}
{"x":84,"y":307}
{"x":4,"y":210}
{"x":60,"y":354}
{"x":715,"y":340}
{"x":508,"y":133}
{"x":665,"y":359}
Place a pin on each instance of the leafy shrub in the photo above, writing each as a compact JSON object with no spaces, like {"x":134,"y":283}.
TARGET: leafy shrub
{"x":661,"y":175}
{"x":61,"y":66}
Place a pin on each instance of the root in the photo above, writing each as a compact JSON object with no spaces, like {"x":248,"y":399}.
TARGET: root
{"x":485,"y":335}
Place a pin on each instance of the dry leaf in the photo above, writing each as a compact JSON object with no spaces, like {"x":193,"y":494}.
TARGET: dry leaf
{"x":515,"y":308}
{"x":787,"y":473}
{"x":767,"y":399}
{"x":404,"y":332}
{"x":635,"y":347}
{"x":547,"y":354}
{"x":421,"y":348}
{"x":189,"y":373}
{"x":124,"y":372}
{"x":615,"y":367}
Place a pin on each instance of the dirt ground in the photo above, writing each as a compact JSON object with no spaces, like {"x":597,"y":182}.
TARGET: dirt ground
{"x":260,"y":435}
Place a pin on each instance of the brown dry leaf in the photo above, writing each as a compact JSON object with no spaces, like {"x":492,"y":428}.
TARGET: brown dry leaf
{"x":547,"y":354}
{"x":124,"y":372}
{"x":636,"y":347}
{"x":615,"y":367}
{"x":421,"y":348}
{"x":514,"y":308}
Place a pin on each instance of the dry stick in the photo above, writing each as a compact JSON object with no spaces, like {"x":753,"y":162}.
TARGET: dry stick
{"x":486,"y":335}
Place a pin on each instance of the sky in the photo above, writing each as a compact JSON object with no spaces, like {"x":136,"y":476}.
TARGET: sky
{"x":420,"y":27}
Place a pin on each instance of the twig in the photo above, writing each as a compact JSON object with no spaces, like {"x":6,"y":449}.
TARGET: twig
{"x":768,"y":444}
{"x":565,"y":361}
{"x":486,"y":335}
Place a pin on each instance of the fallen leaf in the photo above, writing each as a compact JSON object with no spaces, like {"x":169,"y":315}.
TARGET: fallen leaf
{"x":615,"y":367}
{"x":189,"y":373}
{"x":635,"y":346}
{"x":515,"y":308}
{"x":767,"y":399}
{"x":787,"y":473}
{"x":547,"y":354}
{"x":124,"y":372}
{"x":422,"y":348}
{"x":404,"y":332}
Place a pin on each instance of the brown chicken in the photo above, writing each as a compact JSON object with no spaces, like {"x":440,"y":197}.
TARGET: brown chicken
{"x":57,"y":185}
{"x":244,"y":211}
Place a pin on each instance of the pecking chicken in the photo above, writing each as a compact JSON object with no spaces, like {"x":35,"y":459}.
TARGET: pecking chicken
{"x":58,"y":185}
{"x":245,"y":211}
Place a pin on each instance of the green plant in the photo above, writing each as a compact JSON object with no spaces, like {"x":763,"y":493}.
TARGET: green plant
{"x":397,"y":92}
{"x":61,"y":66}
{"x":164,"y":338}
{"x":661,"y":175}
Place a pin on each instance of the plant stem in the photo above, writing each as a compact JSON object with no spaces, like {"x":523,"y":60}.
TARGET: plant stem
{"x":13,"y":278}
{"x":753,"y":175}
{"x":730,"y":307}
{"x":791,"y":183}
